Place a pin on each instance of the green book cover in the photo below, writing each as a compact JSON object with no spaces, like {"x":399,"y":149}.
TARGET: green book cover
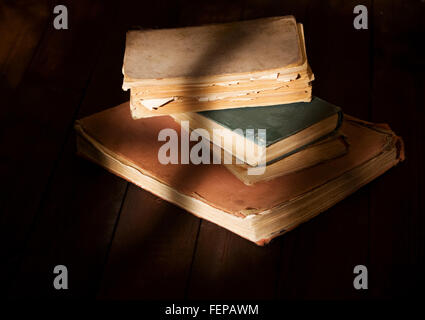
{"x":280,"y":121}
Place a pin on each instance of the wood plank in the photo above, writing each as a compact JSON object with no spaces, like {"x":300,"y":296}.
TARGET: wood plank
{"x":253,"y":9}
{"x":83,"y":202}
{"x":21,"y":27}
{"x":397,"y":201}
{"x":151,"y":255}
{"x":204,"y":12}
{"x":87,"y":219}
{"x":36,"y":126}
{"x":152,"y":249}
{"x":318,"y":258}
{"x":165,"y":282}
{"x":226,"y":266}
{"x":74,"y":229}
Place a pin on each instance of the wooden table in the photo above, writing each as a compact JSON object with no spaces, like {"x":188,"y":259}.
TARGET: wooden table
{"x":119,"y":241}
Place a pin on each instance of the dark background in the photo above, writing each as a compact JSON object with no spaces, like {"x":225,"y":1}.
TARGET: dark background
{"x":119,"y":241}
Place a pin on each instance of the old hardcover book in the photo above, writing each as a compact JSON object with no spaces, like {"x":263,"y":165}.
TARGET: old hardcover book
{"x":289,"y":128}
{"x":258,"y":213}
{"x":219,"y":52}
{"x":146,"y":108}
{"x":230,"y":65}
{"x":323,"y":150}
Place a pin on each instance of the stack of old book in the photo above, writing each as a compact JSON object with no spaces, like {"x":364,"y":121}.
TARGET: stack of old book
{"x":221,"y":122}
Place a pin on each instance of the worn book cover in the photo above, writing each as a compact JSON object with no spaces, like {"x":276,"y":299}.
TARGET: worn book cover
{"x":288,"y":127}
{"x":252,"y":63}
{"x":260,"y":212}
{"x":242,"y":48}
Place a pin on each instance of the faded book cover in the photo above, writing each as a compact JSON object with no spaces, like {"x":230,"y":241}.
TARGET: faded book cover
{"x":258,"y":213}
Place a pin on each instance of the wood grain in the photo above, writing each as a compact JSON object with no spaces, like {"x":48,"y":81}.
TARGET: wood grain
{"x":39,"y":121}
{"x":151,"y":252}
{"x":329,"y":246}
{"x":121,"y":242}
{"x":397,"y":199}
{"x":226,"y":266}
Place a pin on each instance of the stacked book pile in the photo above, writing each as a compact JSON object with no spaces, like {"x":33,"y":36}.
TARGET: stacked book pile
{"x":221,"y":122}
